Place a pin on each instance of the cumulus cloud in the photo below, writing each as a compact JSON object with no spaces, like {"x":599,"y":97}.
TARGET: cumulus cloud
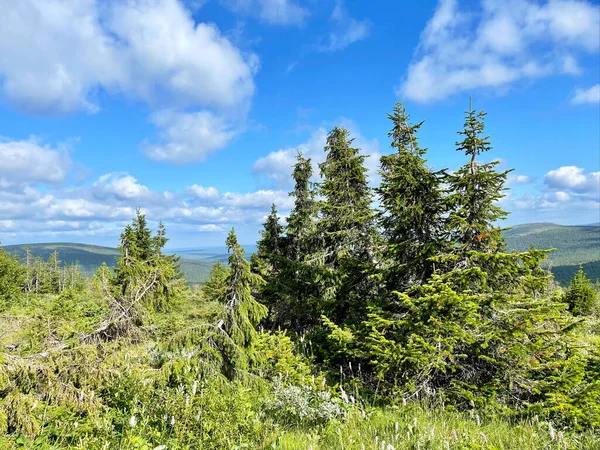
{"x":499,"y":44}
{"x":590,"y":95}
{"x":277,"y":166}
{"x":514,"y":179}
{"x":30,"y":162}
{"x":575,"y":179}
{"x":103,"y":207}
{"x":275,"y":12}
{"x":346,"y":30}
{"x":188,"y":137}
{"x":58,"y":55}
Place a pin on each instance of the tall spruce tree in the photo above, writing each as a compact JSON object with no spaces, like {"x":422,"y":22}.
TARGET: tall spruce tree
{"x":412,"y":208}
{"x":292,"y":306}
{"x":267,"y":258}
{"x":301,"y":222}
{"x":346,"y":230}
{"x":475,"y":190}
{"x":242,"y":311}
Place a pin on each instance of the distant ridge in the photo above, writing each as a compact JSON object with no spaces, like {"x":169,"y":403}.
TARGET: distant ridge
{"x":575,"y":246}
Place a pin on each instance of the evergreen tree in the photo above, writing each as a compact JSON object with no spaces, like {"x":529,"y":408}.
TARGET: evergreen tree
{"x":242,"y":311}
{"x":412,"y":206}
{"x":269,"y":247}
{"x":475,"y":190}
{"x":346,"y":230}
{"x":12,"y":279}
{"x":301,"y":222}
{"x":216,"y":286}
{"x":580,"y":295}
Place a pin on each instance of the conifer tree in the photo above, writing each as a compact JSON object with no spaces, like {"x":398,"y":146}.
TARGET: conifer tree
{"x":475,"y":190}
{"x":242,"y":311}
{"x":346,"y":229}
{"x":301,"y":222}
{"x":580,"y":295}
{"x":412,"y":206}
{"x":269,"y":247}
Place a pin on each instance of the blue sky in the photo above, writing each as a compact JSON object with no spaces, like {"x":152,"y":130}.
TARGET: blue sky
{"x":194,"y":110}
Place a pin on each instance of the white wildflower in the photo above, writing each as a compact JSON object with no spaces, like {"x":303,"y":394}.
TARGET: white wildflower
{"x":194,"y":387}
{"x":551,"y":429}
{"x":172,"y":420}
{"x":133,"y":421}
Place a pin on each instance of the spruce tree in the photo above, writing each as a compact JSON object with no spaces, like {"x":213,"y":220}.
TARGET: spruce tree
{"x":346,"y":230}
{"x":301,"y":222}
{"x":242,"y":311}
{"x":269,"y":247}
{"x":475,"y":190}
{"x":412,"y":207}
{"x":580,"y":295}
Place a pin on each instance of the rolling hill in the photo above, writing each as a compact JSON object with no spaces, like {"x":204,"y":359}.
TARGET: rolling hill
{"x":90,"y":257}
{"x":575,"y":245}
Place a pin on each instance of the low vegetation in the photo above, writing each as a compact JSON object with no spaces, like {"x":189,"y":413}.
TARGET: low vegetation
{"x":407,"y":327}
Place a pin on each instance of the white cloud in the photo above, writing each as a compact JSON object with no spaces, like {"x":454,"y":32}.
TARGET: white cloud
{"x":275,"y":12}
{"x":590,"y":95}
{"x":105,"y":205}
{"x":277,"y":166}
{"x":346,"y":30}
{"x":575,"y":179}
{"x":210,"y":228}
{"x":503,"y":42}
{"x":120,"y":185}
{"x":57,"y":55}
{"x":188,"y":137}
{"x":514,"y":179}
{"x":30,"y":162}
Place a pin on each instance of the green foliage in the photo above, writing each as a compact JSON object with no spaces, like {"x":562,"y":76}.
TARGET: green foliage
{"x":12,"y":276}
{"x":441,"y":337}
{"x":411,"y":206}
{"x":215,"y":287}
{"x":580,"y":295}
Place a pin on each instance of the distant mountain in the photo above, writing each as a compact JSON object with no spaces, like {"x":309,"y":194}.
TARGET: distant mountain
{"x":575,"y":246}
{"x":90,"y":257}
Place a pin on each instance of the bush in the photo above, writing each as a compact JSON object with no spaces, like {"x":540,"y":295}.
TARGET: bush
{"x":580,"y":295}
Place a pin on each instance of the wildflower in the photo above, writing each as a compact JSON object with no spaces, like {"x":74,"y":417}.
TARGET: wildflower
{"x":396,"y":427}
{"x":485,"y":439}
{"x":415,"y":422}
{"x":76,"y":424}
{"x":187,"y":401}
{"x":133,"y":421}
{"x":194,"y":387}
{"x":454,"y":436}
{"x":478,"y":420}
{"x":352,"y":400}
{"x":560,"y":436}
{"x":364,"y":414}
{"x":432,"y":432}
{"x":344,"y":395}
{"x":310,"y":447}
{"x":447,"y":445}
{"x":551,"y":429}
{"x":403,"y":401}
{"x":172,"y":420}
{"x":323,"y":383}
{"x":390,"y":447}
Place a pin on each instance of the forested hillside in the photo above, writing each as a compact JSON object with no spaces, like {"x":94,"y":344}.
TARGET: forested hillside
{"x":412,"y":325}
{"x":196,"y":267}
{"x":574,"y":246}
